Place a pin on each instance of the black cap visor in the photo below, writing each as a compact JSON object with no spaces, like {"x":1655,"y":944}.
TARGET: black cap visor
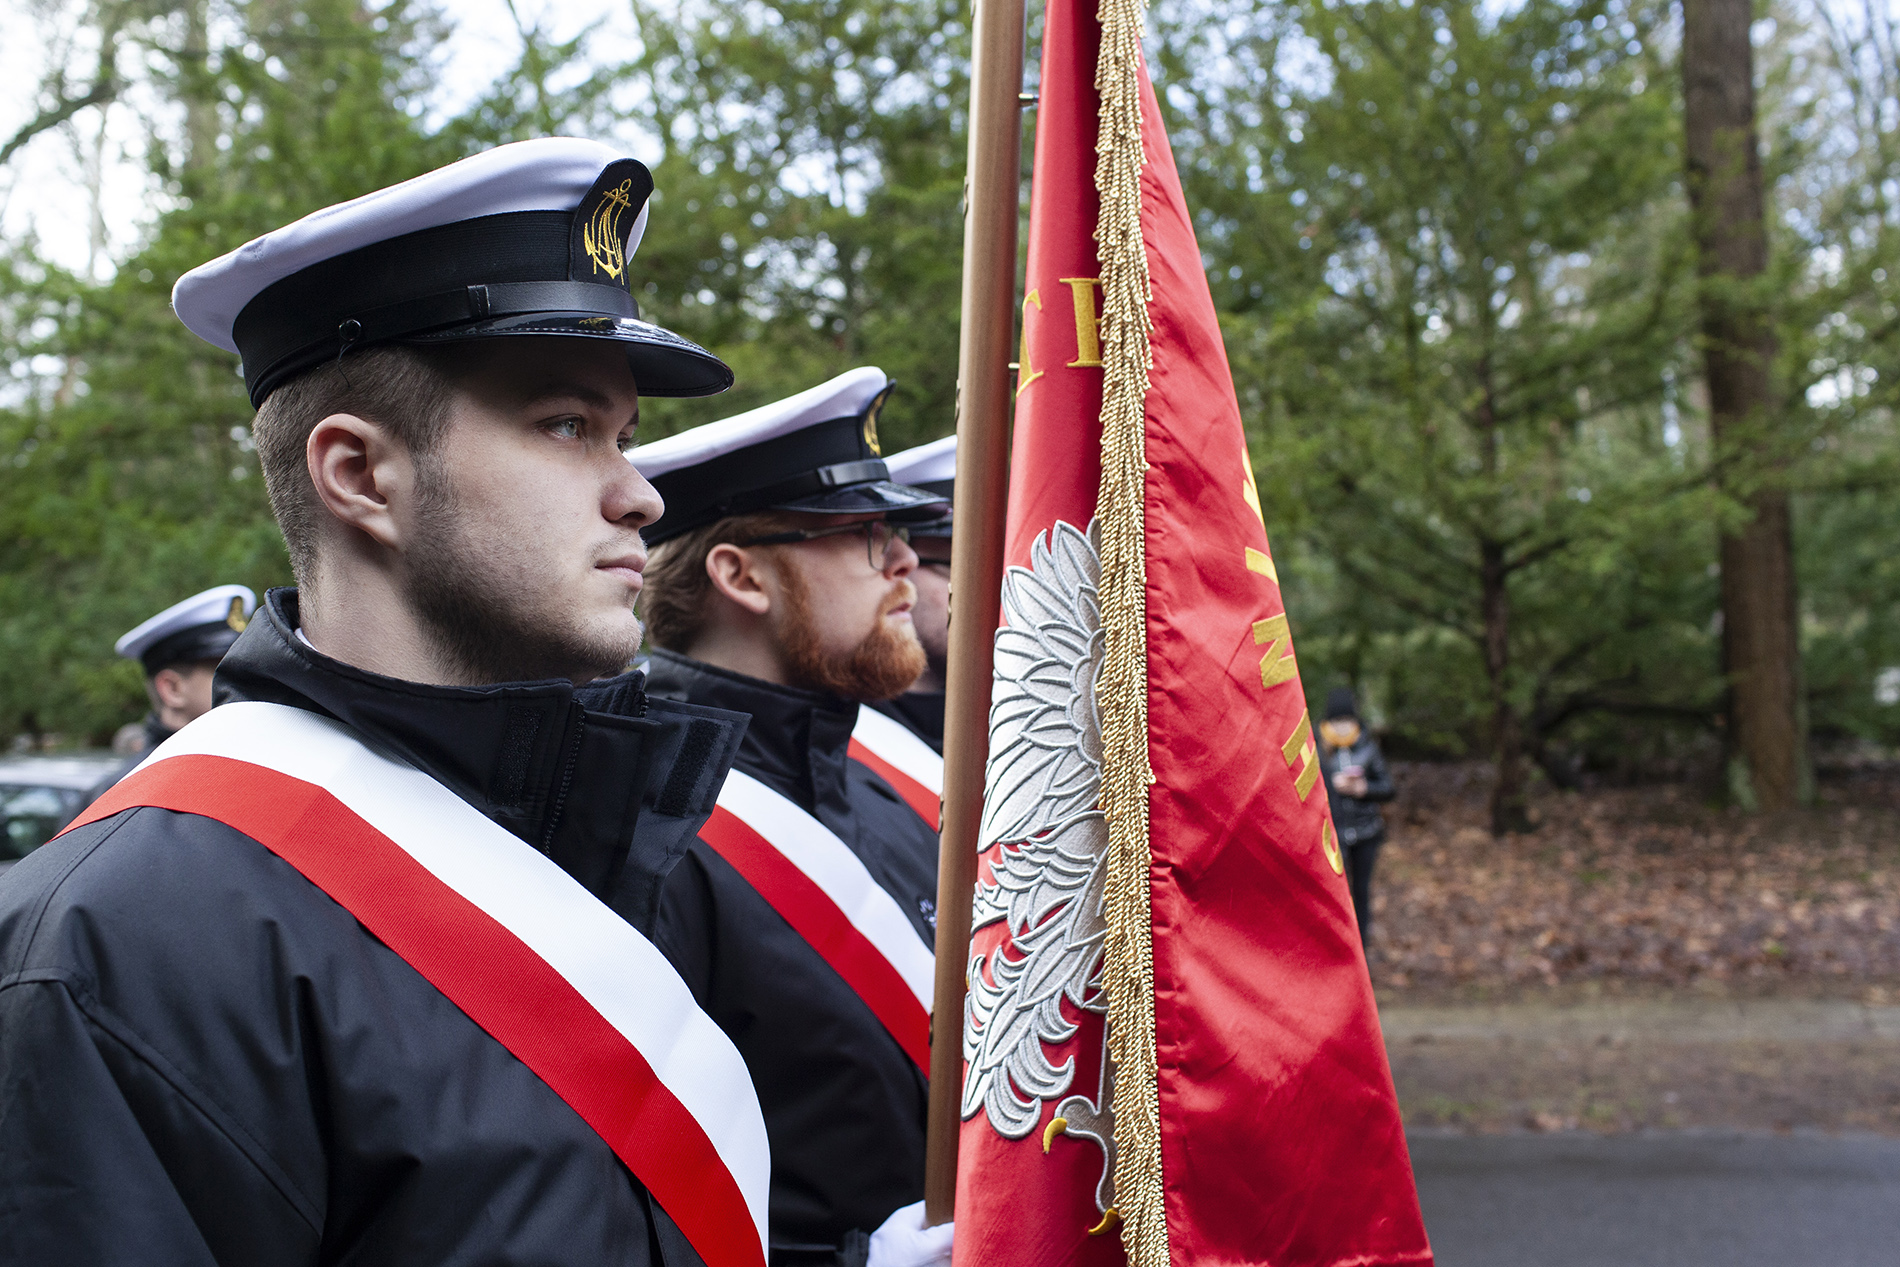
{"x":899,"y":503}
{"x":663,"y":363}
{"x":940,"y":527}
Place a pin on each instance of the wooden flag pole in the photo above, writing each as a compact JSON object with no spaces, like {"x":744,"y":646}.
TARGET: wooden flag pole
{"x":992,"y":198}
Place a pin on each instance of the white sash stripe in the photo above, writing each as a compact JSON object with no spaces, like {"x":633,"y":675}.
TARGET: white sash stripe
{"x":829,"y":863}
{"x":891,"y":741}
{"x":616,"y":969}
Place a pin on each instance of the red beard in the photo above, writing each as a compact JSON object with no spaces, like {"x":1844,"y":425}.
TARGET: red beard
{"x":882,"y":666}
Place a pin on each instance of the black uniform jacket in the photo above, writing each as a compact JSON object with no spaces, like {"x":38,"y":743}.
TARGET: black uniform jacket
{"x":920,"y":712}
{"x":844,"y":1105}
{"x":204,"y":1059}
{"x":1357,"y":817}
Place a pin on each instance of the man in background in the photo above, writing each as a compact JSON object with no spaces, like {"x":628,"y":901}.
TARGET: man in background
{"x":179,"y":648}
{"x":933,"y":468}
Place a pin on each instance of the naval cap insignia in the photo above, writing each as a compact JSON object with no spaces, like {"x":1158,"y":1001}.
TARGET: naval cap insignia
{"x":604,"y":220}
{"x":235,"y":617}
{"x":871,"y":412}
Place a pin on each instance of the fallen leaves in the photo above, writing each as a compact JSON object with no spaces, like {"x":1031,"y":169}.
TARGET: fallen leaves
{"x":1640,"y":884}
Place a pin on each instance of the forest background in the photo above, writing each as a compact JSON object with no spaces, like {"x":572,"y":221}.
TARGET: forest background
{"x":1450,"y":243}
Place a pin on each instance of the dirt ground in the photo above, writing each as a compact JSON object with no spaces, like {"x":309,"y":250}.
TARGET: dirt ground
{"x":1642,"y":960}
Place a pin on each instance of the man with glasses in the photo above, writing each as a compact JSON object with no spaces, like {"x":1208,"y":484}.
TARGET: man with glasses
{"x":803,"y":917}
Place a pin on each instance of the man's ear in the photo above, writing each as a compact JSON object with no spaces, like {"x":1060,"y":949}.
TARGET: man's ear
{"x":168,"y":688}
{"x":741,"y":576}
{"x":359,"y":470}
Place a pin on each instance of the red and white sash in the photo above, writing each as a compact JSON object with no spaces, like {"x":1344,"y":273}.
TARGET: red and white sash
{"x":824,"y":892}
{"x":567,"y":986}
{"x":906,"y":762}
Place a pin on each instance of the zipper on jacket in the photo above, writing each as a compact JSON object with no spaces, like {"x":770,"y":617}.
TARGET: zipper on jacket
{"x":576,"y":724}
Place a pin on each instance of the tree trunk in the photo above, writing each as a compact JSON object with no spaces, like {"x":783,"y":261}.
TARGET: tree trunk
{"x":1760,"y":653}
{"x":197,"y":89}
{"x":1510,"y":806}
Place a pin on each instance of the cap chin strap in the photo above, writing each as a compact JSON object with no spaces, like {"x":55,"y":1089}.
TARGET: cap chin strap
{"x":428,"y":313}
{"x":500,"y":299}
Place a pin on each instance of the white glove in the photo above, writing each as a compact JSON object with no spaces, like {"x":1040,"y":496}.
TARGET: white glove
{"x":904,"y":1241}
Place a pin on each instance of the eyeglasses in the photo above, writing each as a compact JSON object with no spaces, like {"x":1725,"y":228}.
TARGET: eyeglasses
{"x":879,"y":536}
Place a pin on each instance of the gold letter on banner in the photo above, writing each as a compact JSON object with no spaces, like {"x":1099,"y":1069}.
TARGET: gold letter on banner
{"x":1250,"y":490}
{"x":1277,"y":666}
{"x":1025,"y":373}
{"x":1329,"y":844}
{"x":1299,"y":750}
{"x":1088,"y":326}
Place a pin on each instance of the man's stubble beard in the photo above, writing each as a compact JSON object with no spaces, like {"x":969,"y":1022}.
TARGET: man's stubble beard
{"x":488,"y":632}
{"x":882,"y":666}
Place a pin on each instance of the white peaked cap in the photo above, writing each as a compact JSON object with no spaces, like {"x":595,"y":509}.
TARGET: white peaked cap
{"x":549,"y":174}
{"x":931,"y":463}
{"x":846,"y":396}
{"x":533,"y":238}
{"x":223,"y":607}
{"x":816,"y":453}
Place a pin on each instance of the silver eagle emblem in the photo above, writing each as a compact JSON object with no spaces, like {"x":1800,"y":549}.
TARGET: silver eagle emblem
{"x":1042,"y":804}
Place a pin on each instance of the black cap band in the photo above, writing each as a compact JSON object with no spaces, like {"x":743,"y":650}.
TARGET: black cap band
{"x":188,"y":646}
{"x":825,"y":455}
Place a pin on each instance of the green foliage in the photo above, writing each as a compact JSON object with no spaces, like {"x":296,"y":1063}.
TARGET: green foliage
{"x":130,"y":480}
{"x":808,"y":215}
{"x":1448,"y":242}
{"x":1449,"y":249}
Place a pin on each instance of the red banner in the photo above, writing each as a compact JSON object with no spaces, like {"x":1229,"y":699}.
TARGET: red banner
{"x":1280,"y":1138}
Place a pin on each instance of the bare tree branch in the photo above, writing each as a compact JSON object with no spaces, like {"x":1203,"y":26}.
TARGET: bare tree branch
{"x":101,"y":92}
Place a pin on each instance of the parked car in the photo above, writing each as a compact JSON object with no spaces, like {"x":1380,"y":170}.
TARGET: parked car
{"x":40,"y":795}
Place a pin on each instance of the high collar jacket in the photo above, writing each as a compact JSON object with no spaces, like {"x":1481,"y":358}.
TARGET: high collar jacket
{"x":844,"y":1105}
{"x":205,"y":1060}
{"x":920,"y":712}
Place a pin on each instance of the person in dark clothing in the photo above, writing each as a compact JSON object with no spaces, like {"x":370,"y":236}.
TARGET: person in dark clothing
{"x":1357,"y":782}
{"x":206,"y":1057}
{"x":789,"y":599}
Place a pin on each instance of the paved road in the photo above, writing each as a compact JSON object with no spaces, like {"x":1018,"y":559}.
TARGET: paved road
{"x":1660,"y":1200}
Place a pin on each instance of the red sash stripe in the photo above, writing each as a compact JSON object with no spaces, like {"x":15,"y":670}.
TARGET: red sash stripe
{"x":817,"y":919}
{"x":484,"y":969}
{"x":928,"y":805}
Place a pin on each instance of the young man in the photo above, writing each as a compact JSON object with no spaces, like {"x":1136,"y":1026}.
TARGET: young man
{"x":330,"y":978}
{"x":178,"y":649}
{"x":804,"y":916}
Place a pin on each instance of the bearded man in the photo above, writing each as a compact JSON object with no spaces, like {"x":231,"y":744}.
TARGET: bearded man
{"x":332,"y":976}
{"x":803,"y":917}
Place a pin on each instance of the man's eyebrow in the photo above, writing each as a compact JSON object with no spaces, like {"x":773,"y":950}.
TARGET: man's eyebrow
{"x":569,"y":391}
{"x":576,"y":391}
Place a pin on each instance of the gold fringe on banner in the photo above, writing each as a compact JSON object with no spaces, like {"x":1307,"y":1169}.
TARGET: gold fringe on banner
{"x":1122,"y":691}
